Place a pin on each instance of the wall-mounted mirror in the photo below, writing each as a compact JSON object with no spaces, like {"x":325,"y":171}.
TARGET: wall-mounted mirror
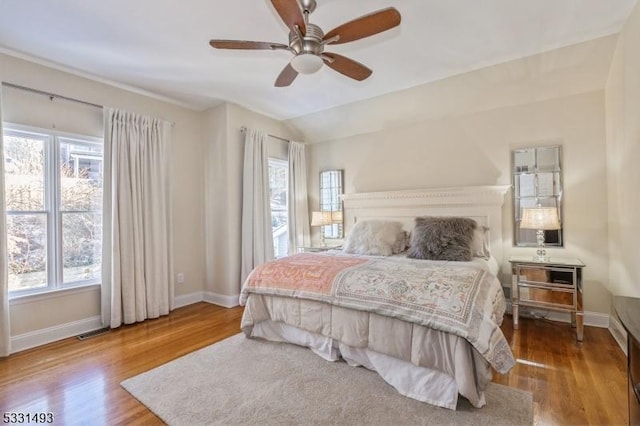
{"x":537,"y":182}
{"x":330,"y":191}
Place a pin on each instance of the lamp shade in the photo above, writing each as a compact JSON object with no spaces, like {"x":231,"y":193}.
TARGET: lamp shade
{"x":306,"y":63}
{"x":545,"y":218}
{"x":321,"y":218}
{"x":336,"y":217}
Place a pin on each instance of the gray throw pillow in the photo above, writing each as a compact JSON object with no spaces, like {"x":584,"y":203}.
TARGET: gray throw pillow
{"x":442,"y":238}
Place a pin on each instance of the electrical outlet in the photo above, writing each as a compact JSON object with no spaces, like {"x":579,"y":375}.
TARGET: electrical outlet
{"x":180,"y":278}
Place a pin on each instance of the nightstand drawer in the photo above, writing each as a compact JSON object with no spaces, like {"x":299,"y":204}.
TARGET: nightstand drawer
{"x":543,"y":296}
{"x":546,"y":276}
{"x":537,"y":274}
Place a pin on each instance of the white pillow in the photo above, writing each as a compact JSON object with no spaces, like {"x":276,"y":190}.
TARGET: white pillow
{"x":480,"y":242}
{"x":376,"y":237}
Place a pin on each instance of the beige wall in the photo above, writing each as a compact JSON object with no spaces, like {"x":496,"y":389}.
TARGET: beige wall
{"x":623,"y":155}
{"x":474,"y":149}
{"x":224,"y":160}
{"x":571,"y":70}
{"x":186,"y":170}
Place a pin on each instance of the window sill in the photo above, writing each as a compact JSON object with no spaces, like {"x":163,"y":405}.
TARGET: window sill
{"x":52,"y":294}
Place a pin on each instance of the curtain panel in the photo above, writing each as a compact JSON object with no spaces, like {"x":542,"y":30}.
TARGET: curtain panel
{"x":257,"y":237}
{"x":137,"y":262}
{"x":5,"y":328}
{"x":299,"y":235}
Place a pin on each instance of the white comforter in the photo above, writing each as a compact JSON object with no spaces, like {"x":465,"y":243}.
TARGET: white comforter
{"x":445,"y":355}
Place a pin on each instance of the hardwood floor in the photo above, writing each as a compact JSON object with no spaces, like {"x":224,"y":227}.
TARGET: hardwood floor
{"x":581,"y":383}
{"x":79,"y":381}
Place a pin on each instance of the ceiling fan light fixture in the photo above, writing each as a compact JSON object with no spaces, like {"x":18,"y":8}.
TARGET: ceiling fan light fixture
{"x":307,"y":63}
{"x":307,"y":41}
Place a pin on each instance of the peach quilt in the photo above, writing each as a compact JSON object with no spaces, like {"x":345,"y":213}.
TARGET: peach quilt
{"x":461,"y":298}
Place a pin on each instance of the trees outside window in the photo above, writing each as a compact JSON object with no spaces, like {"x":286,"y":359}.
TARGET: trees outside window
{"x":53,"y":190}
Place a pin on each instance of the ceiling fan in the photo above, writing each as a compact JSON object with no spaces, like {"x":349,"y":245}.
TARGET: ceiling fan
{"x":307,"y":41}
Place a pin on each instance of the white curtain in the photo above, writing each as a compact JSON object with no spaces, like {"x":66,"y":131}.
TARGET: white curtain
{"x":137,"y":244}
{"x":299,"y":235}
{"x":5,"y":329}
{"x":257,"y":237}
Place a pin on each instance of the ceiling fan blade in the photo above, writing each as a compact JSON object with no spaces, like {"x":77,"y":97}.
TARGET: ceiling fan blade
{"x":286,"y":77}
{"x":365,"y":26}
{"x":291,"y":14}
{"x":347,"y":66}
{"x":241,"y":44}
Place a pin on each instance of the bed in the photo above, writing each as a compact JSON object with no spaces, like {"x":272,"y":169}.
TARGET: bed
{"x":430,"y":328}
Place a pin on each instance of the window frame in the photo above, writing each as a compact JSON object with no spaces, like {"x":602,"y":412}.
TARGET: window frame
{"x":52,"y":139}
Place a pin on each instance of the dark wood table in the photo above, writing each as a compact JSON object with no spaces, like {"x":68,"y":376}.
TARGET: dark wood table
{"x":628,"y":310}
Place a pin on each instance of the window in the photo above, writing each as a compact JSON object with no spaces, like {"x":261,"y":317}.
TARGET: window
{"x":53,"y":187}
{"x":278,"y":190}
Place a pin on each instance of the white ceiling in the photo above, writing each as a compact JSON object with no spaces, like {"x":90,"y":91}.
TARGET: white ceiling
{"x":161,"y":46}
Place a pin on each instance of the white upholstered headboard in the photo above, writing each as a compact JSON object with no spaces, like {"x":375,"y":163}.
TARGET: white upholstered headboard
{"x":481,"y":203}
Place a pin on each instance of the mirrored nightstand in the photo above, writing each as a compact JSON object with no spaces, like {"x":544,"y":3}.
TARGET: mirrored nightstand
{"x":555,"y":284}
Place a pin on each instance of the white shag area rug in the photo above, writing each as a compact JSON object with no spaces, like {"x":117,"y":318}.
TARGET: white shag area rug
{"x":246,"y":381}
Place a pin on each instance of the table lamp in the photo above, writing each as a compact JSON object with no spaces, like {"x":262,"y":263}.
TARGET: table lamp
{"x":541,"y":219}
{"x":321,"y":219}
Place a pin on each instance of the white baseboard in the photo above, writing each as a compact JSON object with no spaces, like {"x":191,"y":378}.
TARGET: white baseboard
{"x":593,"y":319}
{"x":209,"y":297}
{"x":32,"y":339}
{"x":35,"y":338}
{"x":619,"y":333}
{"x":188,"y":299}
{"x":221,"y":299}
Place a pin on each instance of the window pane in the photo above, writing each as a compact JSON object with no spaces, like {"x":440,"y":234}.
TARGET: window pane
{"x":24,"y":172}
{"x":278,"y":171}
{"x":80,"y":177}
{"x":81,"y":246}
{"x":27,"y":251}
